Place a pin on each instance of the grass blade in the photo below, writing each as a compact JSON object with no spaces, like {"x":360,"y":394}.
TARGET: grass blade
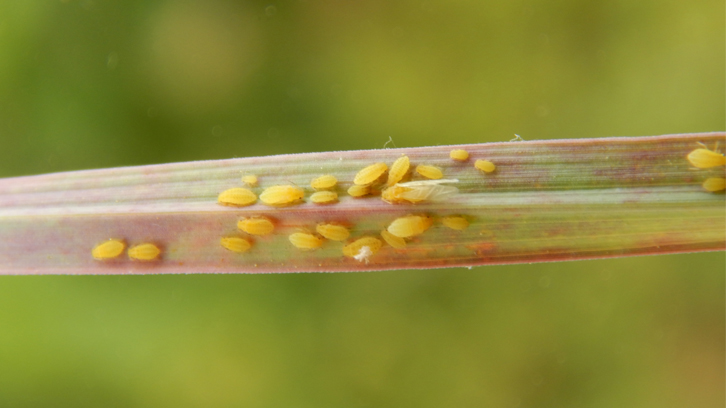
{"x":543,"y":201}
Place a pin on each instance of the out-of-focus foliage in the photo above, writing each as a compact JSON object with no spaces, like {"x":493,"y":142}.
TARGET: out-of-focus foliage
{"x":90,"y":83}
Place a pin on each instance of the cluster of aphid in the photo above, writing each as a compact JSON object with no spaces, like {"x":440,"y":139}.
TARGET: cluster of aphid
{"x":703,"y":158}
{"x":113,"y":248}
{"x":366,"y":182}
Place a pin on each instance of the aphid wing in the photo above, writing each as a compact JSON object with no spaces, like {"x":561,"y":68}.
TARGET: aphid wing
{"x":429,"y":193}
{"x":414,"y":195}
{"x":424,"y":183}
{"x":441,"y":193}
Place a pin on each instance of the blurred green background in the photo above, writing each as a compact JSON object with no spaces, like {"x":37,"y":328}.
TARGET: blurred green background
{"x":91,"y":83}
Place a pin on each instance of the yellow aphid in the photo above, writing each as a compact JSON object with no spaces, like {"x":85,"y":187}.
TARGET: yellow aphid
{"x":409,"y":225}
{"x":459,"y":154}
{"x":144,"y":252}
{"x":333,"y":232}
{"x":281,"y":195}
{"x":250,"y":180}
{"x":394,"y":241}
{"x":235,"y":244}
{"x":237,"y":197}
{"x":324,"y":197}
{"x":108,"y":249}
{"x":359,"y":191}
{"x":455,"y":222}
{"x":324,"y":182}
{"x":714,"y":184}
{"x":418,"y":191}
{"x":304,"y":240}
{"x":399,"y":168}
{"x":362,"y":248}
{"x":485,"y":166}
{"x":370,"y":174}
{"x":256,"y":225}
{"x":705,"y":159}
{"x":430,"y":172}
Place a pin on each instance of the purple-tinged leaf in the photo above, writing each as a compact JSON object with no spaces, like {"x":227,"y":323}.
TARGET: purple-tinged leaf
{"x":530,"y":201}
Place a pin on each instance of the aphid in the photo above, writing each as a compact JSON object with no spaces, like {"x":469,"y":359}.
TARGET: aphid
{"x":430,"y":172}
{"x":324,"y":197}
{"x":399,"y":168}
{"x":410,"y":225}
{"x":256,"y":225}
{"x":250,"y":180}
{"x":235,"y":244}
{"x":108,"y":249}
{"x":417,"y":191}
{"x":485,"y":165}
{"x":281,"y":195}
{"x":714,"y":184}
{"x":355,"y":248}
{"x":324,"y":182}
{"x":144,"y":252}
{"x":304,"y":240}
{"x":705,"y":159}
{"x":333,"y":232}
{"x":237,"y":197}
{"x":359,"y":191}
{"x":370,"y":174}
{"x":392,"y":240}
{"x":459,"y":154}
{"x":455,"y":222}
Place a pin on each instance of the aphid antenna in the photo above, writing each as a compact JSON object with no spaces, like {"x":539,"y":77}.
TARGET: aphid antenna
{"x":390,"y":140}
{"x":715,"y":146}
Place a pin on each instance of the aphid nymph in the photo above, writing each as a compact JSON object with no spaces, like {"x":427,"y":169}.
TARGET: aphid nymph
{"x":455,"y":222}
{"x":459,"y":154}
{"x":256,"y":225}
{"x":370,"y":174}
{"x":398,"y":170}
{"x":250,"y":180}
{"x":430,"y":172}
{"x":281,"y":195}
{"x":355,"y":249}
{"x":235,"y":244}
{"x":704,"y":158}
{"x":333,"y":232}
{"x":714,"y":184}
{"x":304,"y":240}
{"x":324,"y":182}
{"x":394,"y":241}
{"x":485,"y":165}
{"x":237,"y":197}
{"x":358,"y":191}
{"x":108,"y":249}
{"x":410,"y":225}
{"x":324,"y":197}
{"x":144,"y":252}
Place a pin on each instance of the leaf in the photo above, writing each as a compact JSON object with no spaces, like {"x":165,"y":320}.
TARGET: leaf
{"x":533,"y":201}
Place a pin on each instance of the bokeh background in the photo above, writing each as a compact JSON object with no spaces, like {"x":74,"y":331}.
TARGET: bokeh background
{"x":92,"y":83}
